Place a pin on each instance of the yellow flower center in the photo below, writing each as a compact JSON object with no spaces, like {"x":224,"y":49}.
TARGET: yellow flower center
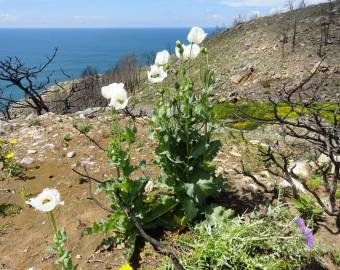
{"x":46,"y":201}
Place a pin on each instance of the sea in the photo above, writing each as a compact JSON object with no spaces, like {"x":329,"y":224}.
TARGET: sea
{"x":78,"y":48}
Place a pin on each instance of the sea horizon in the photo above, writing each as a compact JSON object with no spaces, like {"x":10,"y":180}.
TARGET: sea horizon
{"x":78,"y":48}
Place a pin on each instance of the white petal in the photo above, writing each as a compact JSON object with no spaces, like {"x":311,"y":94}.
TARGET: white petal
{"x":156,"y":74}
{"x":162,"y":58}
{"x":46,"y":201}
{"x":191,"y":51}
{"x":196,"y":35}
{"x":106,"y":92}
{"x":195,"y":51}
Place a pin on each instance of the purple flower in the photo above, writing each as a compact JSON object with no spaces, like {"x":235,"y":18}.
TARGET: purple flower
{"x":301,"y":223}
{"x":309,"y":237}
{"x":307,"y":232}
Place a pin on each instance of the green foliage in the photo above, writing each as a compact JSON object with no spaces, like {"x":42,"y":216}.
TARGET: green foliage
{"x":9,"y":209}
{"x":34,"y":122}
{"x":64,"y":256}
{"x":183,"y":124}
{"x":308,"y":209}
{"x":85,"y":128}
{"x":255,"y":242}
{"x":8,"y":165}
{"x":337,"y":194}
{"x":335,"y":256}
{"x":245,"y":125}
{"x":242,"y":113}
{"x":123,"y":191}
{"x":314,"y":183}
{"x":65,"y":139}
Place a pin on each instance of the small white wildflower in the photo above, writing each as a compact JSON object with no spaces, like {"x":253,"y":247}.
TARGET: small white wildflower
{"x":197,"y":35}
{"x":46,"y":201}
{"x":162,"y":58}
{"x":189,"y":51}
{"x":157,"y":74}
{"x":117,"y":93}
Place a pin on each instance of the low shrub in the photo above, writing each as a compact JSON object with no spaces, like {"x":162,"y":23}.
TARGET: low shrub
{"x":9,"y":209}
{"x":314,"y":183}
{"x":245,"y":242}
{"x":7,"y":163}
{"x":308,"y":209}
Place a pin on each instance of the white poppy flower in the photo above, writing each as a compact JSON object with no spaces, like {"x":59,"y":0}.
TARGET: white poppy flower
{"x":157,"y":74}
{"x":189,"y":51}
{"x":46,"y":201}
{"x":162,"y":58}
{"x":117,"y":93}
{"x":197,"y":35}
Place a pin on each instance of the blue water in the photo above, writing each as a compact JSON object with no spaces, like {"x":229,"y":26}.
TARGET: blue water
{"x":78,"y":48}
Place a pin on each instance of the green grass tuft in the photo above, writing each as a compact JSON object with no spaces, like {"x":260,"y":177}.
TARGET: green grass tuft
{"x":9,"y":210}
{"x":314,"y":183}
{"x":255,"y":242}
{"x":242,"y":113}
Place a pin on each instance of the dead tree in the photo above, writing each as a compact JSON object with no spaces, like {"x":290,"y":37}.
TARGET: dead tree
{"x":325,"y":23}
{"x":18,"y":76}
{"x":293,"y":19}
{"x":284,"y":39}
{"x":302,"y":4}
{"x":149,"y":58}
{"x":315,"y":124}
{"x":77,"y":95}
{"x":126,"y":71}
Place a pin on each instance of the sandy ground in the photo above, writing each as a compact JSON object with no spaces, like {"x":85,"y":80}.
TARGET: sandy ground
{"x":25,"y":239}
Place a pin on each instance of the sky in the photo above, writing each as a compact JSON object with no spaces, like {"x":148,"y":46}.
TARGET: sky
{"x":131,"y":13}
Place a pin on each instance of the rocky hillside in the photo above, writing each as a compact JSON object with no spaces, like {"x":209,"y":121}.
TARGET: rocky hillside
{"x":248,"y":64}
{"x":248,"y":59}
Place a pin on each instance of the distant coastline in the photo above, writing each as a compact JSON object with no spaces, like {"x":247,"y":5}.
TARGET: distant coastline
{"x":81,"y":47}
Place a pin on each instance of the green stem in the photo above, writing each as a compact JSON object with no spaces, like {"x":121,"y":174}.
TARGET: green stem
{"x":52,"y":223}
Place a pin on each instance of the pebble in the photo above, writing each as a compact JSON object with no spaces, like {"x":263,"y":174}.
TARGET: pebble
{"x":254,"y":142}
{"x":27,"y":160}
{"x":31,"y":151}
{"x":71,"y":154}
{"x":235,"y":154}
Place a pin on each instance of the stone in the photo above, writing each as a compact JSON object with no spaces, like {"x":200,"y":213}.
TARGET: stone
{"x":88,"y":112}
{"x":27,"y":160}
{"x":242,"y":74}
{"x":149,"y":186}
{"x":30,"y":116}
{"x":5,"y":127}
{"x":299,"y":187}
{"x":219,"y":171}
{"x":31,"y":151}
{"x":49,"y":145}
{"x":323,"y":159}
{"x":87,"y":161}
{"x":235,"y":154}
{"x":265,"y":174}
{"x":71,"y":154}
{"x":301,"y":168}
